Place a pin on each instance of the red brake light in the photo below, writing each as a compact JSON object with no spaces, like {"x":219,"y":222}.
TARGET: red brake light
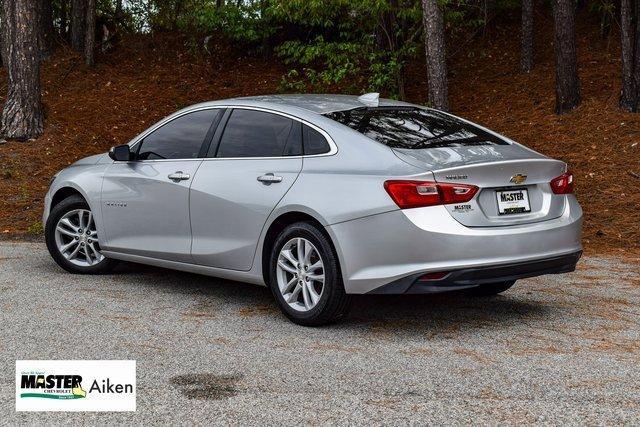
{"x":414,"y":194}
{"x":563,"y":184}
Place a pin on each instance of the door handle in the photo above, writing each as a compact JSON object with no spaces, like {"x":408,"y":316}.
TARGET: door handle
{"x":269,"y":178}
{"x":179,"y":176}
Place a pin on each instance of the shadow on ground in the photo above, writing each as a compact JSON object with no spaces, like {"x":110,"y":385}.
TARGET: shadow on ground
{"x":455,"y":310}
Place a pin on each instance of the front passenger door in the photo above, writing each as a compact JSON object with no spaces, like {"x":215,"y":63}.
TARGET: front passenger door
{"x":145,"y":202}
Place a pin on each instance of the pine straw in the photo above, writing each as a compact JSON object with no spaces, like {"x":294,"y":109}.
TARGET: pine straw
{"x":146,"y":78}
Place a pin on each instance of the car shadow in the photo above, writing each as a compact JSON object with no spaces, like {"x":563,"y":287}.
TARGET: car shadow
{"x":446,"y":307}
{"x":402,"y":312}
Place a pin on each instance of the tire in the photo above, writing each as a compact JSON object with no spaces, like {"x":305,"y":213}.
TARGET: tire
{"x":331,"y":301}
{"x":491,"y":289}
{"x":89,"y":250}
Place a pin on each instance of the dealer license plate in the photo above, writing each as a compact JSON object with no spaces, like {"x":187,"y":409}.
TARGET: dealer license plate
{"x":513,"y":201}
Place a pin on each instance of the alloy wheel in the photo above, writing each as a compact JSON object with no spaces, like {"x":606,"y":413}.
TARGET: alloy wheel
{"x":300,"y":274}
{"x":77,"y":238}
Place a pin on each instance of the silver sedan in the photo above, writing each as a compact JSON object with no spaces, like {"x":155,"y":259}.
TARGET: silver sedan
{"x":320,"y":197}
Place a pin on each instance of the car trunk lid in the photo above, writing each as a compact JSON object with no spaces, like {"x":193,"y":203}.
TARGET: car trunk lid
{"x":508,"y":177}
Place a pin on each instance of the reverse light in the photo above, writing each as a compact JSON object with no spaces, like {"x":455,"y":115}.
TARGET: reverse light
{"x":563,"y":184}
{"x":415,"y":194}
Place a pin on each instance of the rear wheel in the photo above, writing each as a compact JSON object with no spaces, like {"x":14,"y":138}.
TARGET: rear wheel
{"x":72,"y":238}
{"x":305,"y":276}
{"x":491,"y":289}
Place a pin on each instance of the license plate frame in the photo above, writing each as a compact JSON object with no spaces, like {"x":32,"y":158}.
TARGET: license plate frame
{"x":513,"y":201}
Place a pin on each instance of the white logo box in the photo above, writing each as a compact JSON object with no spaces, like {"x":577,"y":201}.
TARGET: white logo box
{"x":75,"y":385}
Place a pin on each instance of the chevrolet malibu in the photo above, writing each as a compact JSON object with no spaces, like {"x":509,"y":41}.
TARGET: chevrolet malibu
{"x":320,"y":197}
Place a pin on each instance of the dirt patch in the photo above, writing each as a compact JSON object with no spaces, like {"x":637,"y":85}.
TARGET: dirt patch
{"x":258,"y":310}
{"x":106,"y":293}
{"x":334,"y":347}
{"x":207,"y":386}
{"x":475,"y":355}
{"x":119,"y":318}
{"x":197,"y":315}
{"x":388,"y":403}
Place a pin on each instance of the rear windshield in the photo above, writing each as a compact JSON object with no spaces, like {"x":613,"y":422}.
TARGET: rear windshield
{"x":413,"y":128}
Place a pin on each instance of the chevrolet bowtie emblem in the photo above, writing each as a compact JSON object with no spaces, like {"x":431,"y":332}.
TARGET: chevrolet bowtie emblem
{"x":518,"y":178}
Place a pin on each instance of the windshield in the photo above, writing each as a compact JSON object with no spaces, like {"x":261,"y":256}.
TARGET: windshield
{"x":413,"y":128}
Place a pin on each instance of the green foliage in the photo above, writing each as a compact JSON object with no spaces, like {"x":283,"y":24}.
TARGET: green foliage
{"x":607,"y":7}
{"x":245,"y":23}
{"x":358,"y":45}
{"x":606,"y":10}
{"x":358,"y":67}
{"x":36,"y":229}
{"x":338,"y":59}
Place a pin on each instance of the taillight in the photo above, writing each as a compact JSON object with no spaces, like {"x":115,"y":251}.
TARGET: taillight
{"x":563,"y":184}
{"x":414,"y":194}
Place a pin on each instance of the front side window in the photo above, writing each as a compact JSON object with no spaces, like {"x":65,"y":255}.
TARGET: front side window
{"x":414,"y":128}
{"x":181,"y":138}
{"x":251,"y":133}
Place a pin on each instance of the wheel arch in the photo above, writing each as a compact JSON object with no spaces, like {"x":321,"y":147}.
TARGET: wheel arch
{"x":279,"y":224}
{"x":64,"y":192}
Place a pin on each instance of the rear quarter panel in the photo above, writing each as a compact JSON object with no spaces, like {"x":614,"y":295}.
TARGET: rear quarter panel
{"x":349,"y":184}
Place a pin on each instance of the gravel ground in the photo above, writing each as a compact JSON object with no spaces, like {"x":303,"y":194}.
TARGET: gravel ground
{"x":557,"y":349}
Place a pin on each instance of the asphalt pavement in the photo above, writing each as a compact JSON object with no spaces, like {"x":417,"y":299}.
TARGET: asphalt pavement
{"x":552,"y":350}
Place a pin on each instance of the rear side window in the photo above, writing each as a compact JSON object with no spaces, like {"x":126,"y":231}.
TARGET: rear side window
{"x":251,"y":133}
{"x":414,"y":128}
{"x":314,"y":142}
{"x":181,"y":138}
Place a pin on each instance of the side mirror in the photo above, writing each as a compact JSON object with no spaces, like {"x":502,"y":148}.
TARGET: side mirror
{"x":121,"y":153}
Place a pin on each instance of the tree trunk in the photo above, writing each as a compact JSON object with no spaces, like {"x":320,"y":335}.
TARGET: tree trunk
{"x":605,"y":24}
{"x":628,"y":96}
{"x":488,"y":9}
{"x":118,"y":16}
{"x":526,"y":60}
{"x":64,"y":19}
{"x":90,"y":36}
{"x":45,"y":28}
{"x":635,"y":37}
{"x":2,"y":24}
{"x":78,"y":24}
{"x":434,"y":49}
{"x":22,"y":116}
{"x":567,"y":81}
{"x":4,"y":47}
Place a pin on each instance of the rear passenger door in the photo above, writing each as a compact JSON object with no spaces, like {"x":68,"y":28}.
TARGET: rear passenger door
{"x":253,"y":160}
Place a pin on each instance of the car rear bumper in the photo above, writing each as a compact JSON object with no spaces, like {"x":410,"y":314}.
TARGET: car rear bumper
{"x":405,"y":244}
{"x":472,"y":277}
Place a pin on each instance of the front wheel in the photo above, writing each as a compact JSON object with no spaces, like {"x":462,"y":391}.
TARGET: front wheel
{"x":72,"y":238}
{"x":491,"y":289}
{"x":305,"y":276}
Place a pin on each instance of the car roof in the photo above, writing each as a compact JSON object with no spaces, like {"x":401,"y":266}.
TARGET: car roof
{"x":316,"y":103}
